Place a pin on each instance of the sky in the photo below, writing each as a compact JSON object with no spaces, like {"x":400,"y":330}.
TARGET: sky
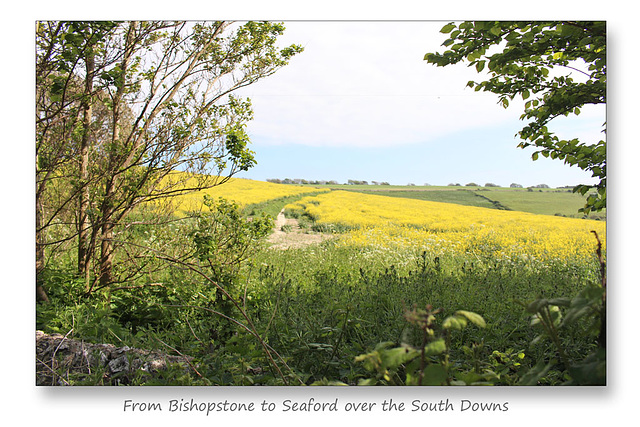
{"x":361,"y":103}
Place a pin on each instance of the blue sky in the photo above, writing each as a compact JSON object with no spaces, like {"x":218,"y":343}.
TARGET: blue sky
{"x":361,"y":103}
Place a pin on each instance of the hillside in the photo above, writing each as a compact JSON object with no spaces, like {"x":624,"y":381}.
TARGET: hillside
{"x":545,"y":201}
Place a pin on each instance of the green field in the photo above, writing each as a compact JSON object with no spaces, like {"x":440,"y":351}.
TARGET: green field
{"x":545,"y":201}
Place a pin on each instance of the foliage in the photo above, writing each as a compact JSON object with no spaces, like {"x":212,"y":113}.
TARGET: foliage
{"x":223,"y":239}
{"x":529,"y":53}
{"x":427,"y":364}
{"x":114,"y":124}
{"x":321,"y":307}
{"x":588,"y":308}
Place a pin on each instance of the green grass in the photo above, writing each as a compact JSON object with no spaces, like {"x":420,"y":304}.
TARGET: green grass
{"x":459,"y":197}
{"x":320,"y":307}
{"x":546,"y":202}
{"x":331,"y":304}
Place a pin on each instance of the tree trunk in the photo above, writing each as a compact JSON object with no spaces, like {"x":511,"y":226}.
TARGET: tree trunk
{"x":106,"y":255}
{"x":84,"y":253}
{"x":111,"y":186}
{"x":41,"y":295}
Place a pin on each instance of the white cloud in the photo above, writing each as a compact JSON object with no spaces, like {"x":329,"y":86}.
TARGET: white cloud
{"x":366,"y":84}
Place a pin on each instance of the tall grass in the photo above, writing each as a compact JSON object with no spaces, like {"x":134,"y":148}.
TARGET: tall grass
{"x":328,"y":304}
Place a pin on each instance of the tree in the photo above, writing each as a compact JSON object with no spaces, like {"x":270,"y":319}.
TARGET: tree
{"x":63,"y":121}
{"x":54,"y":122}
{"x":149,"y":99}
{"x":524,"y":59}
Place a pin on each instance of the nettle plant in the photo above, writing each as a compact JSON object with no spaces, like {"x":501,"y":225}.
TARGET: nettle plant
{"x":426,"y":364}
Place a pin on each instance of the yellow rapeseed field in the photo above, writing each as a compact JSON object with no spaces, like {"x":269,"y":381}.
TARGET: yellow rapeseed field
{"x":390,"y":222}
{"x":242,"y":191}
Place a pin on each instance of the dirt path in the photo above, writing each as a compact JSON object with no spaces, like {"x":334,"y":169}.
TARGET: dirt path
{"x":292,"y":236}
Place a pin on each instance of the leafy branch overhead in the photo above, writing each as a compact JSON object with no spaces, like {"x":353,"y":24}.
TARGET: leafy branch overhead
{"x":556,"y":67}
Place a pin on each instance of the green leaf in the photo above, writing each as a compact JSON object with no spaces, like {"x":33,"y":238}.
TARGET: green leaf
{"x":560,"y":301}
{"x":537,"y":305}
{"x":536,"y":373}
{"x":474,"y":378}
{"x":435,"y":348}
{"x":435,"y":374}
{"x":327,"y":382}
{"x":526,"y":53}
{"x":528,"y":37}
{"x":591,"y":371}
{"x":454,"y":322}
{"x":395,"y":357}
{"x":585,"y":303}
{"x":474,"y":318}
{"x":495,"y":31}
{"x":448,"y":28}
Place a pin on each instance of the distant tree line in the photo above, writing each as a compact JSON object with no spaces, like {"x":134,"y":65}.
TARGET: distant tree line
{"x":491,"y":184}
{"x":299,"y":181}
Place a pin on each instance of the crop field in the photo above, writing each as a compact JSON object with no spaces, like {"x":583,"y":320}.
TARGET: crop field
{"x":400,"y":223}
{"x":244,"y":192}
